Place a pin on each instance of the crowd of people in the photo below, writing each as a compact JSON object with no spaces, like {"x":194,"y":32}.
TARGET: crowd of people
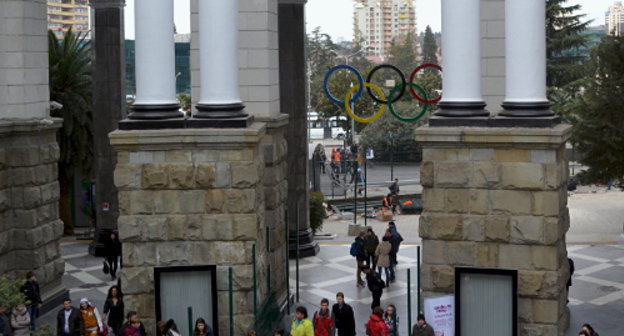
{"x":340,"y":321}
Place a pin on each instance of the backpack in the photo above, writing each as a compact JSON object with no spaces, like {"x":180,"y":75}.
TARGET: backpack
{"x":353,"y":251}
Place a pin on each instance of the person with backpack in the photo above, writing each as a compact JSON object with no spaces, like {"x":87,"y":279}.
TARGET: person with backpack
{"x":322,"y":320}
{"x":358,"y":250}
{"x":375,"y":285}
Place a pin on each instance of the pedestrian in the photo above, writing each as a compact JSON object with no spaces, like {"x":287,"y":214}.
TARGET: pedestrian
{"x":421,"y":328}
{"x":133,"y":325}
{"x":358,"y":250}
{"x":322,"y":320}
{"x":20,"y":320}
{"x":383,"y":257}
{"x":394,"y":190}
{"x":375,"y":286}
{"x":202,"y":328}
{"x":376,"y":325}
{"x":69,"y":320}
{"x":91,"y":317}
{"x":395,"y":241}
{"x":5,"y":322}
{"x":392,"y":320}
{"x":33,"y":295}
{"x":583,"y":333}
{"x":394,"y":187}
{"x":171,"y":329}
{"x":112,"y":251}
{"x":569,"y":283}
{"x":301,"y":326}
{"x":589,"y":330}
{"x":370,"y":156}
{"x":278,"y":332}
{"x":251,"y":333}
{"x":343,"y":317}
{"x":114,"y":309}
{"x":371,"y":241}
{"x":323,"y":158}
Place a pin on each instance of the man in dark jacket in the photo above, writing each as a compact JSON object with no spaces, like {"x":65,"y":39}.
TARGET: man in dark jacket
{"x":5,"y":324}
{"x":370,"y":243}
{"x":69,"y":320}
{"x":375,"y":285}
{"x":343,"y":317}
{"x":360,"y":257}
{"x":395,"y":240}
{"x":33,"y":295}
{"x":421,"y":328}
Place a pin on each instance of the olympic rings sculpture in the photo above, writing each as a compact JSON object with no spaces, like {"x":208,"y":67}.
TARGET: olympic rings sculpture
{"x":395,"y":94}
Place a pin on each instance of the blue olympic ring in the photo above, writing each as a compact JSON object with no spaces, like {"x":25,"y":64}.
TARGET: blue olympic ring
{"x":360,"y":82}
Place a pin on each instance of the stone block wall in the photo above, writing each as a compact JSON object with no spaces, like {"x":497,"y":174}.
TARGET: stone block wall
{"x":202,"y":196}
{"x":493,"y":53}
{"x":258,"y":56}
{"x":497,"y":198}
{"x":30,"y":227}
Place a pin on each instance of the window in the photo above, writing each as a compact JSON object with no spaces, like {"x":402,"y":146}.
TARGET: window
{"x":486,"y":301}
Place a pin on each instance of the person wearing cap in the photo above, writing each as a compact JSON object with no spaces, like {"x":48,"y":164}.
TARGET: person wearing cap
{"x":375,"y":285}
{"x":91,"y":317}
{"x":421,"y":328}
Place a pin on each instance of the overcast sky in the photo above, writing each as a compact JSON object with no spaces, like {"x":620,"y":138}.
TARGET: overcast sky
{"x":335,"y":17}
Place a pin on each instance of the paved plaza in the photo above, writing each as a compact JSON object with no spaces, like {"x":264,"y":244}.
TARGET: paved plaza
{"x":594,"y":243}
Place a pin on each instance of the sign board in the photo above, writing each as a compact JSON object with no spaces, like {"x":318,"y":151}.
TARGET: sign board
{"x":440,"y":314}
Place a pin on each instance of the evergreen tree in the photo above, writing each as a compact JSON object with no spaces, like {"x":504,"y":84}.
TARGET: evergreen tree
{"x":403,"y":53}
{"x":564,"y":32}
{"x":430,"y":48}
{"x":598,"y":124}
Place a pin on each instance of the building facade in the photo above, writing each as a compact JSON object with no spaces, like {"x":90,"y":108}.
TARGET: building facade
{"x":377,"y":23}
{"x":65,"y":14}
{"x":614,"y":19}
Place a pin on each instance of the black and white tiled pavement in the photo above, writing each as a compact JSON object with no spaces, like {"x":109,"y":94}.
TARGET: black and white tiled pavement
{"x":596,"y":295}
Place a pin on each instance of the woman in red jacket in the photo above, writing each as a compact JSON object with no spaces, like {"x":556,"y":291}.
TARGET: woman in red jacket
{"x":376,"y":325}
{"x":322,"y":320}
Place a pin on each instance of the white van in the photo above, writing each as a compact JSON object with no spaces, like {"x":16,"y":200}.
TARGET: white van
{"x":325,"y":129}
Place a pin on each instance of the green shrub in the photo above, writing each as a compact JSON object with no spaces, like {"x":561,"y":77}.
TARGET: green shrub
{"x":317,"y":211}
{"x":10,"y":294}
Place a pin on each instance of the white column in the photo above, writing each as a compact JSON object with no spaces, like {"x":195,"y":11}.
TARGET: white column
{"x":218,"y":59}
{"x":461,"y":62}
{"x":155,"y":54}
{"x":525,"y":49}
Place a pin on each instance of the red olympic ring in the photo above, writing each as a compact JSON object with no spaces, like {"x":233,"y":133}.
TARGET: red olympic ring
{"x":418,"y":68}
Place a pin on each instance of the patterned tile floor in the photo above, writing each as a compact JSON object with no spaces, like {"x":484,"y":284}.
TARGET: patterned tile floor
{"x":596,"y":295}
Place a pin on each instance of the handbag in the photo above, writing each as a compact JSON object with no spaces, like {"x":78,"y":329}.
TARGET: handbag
{"x":105,"y":267}
{"x":104,"y":331}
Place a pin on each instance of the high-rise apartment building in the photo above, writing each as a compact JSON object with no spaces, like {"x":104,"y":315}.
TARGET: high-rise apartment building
{"x":63,"y":14}
{"x":614,"y":19}
{"x":377,"y":22}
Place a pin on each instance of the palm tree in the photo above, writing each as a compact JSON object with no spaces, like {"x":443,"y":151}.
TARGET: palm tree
{"x":70,"y":85}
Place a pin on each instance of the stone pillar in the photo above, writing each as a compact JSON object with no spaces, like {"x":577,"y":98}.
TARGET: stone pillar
{"x":525,"y":81}
{"x":462,"y":60}
{"x":292,"y":78}
{"x":155,"y":67}
{"x":109,"y":107}
{"x":30,"y":227}
{"x":497,"y":198}
{"x":200,"y":196}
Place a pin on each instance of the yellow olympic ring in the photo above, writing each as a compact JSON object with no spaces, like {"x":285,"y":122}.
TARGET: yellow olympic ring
{"x":376,"y":115}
